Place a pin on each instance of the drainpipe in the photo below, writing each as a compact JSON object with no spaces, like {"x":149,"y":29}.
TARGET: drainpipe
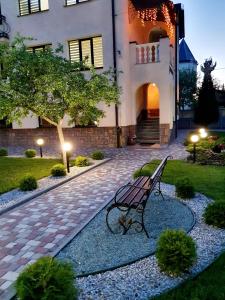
{"x":118,"y":130}
{"x":176,"y":74}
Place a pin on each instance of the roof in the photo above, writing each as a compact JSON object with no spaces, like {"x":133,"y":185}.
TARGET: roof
{"x":185,"y":54}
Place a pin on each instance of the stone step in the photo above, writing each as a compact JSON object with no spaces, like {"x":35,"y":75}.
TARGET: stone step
{"x":148,"y":141}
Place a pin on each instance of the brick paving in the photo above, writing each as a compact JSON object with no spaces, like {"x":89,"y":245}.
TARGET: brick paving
{"x":41,"y":226}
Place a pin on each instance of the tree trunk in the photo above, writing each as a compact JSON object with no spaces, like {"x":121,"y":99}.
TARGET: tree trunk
{"x":62,"y":141}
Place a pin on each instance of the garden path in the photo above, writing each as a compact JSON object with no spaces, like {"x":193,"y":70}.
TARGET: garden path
{"x":41,"y":227}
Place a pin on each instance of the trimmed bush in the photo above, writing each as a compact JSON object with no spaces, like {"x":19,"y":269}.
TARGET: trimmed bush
{"x":184,"y":188}
{"x":28,"y":183}
{"x":47,"y":278}
{"x":3,"y":152}
{"x":215,"y":214}
{"x":176,"y":252}
{"x":81,"y":161}
{"x":97,"y":155}
{"x":30,"y":153}
{"x":58,"y":170}
{"x":144,"y":172}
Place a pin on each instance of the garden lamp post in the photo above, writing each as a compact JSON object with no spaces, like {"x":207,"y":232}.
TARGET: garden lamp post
{"x":194,"y":140}
{"x":40,"y":143}
{"x":67,"y":148}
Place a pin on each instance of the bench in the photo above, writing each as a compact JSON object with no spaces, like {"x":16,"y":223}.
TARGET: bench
{"x":134,"y":196}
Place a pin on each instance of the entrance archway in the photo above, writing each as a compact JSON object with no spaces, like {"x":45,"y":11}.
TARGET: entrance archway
{"x":153,"y":100}
{"x":156,"y":34}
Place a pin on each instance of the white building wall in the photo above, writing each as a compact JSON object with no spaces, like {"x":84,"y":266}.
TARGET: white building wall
{"x":61,"y":24}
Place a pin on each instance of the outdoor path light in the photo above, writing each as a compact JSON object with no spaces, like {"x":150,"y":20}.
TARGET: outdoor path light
{"x":40,"y":143}
{"x":203,"y":133}
{"x":194,"y":140}
{"x":67,"y":148}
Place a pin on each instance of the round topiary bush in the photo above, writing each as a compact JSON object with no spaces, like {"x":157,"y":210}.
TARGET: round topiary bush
{"x":184,"y":188}
{"x":97,"y":155}
{"x":3,"y":152}
{"x":58,"y":170}
{"x":28,"y":183}
{"x":30,"y":153}
{"x":81,"y":161}
{"x":47,"y":278}
{"x":215,"y":214}
{"x":176,"y":252}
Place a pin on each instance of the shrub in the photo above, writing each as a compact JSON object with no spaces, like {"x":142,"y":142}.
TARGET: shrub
{"x":58,"y":170}
{"x":97,"y":155}
{"x":82,"y":161}
{"x":184,"y":188}
{"x":30,"y":153}
{"x":3,"y":152}
{"x":47,"y":279}
{"x":215,"y":214}
{"x":176,"y":252}
{"x":144,"y":172}
{"x":28,"y":183}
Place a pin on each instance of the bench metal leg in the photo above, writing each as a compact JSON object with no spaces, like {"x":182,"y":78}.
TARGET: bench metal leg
{"x":158,"y":191}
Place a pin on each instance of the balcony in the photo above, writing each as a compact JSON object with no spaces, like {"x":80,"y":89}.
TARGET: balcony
{"x":147,"y":53}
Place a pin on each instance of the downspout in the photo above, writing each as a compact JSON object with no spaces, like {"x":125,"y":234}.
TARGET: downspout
{"x":115,"y":73}
{"x":176,"y":76}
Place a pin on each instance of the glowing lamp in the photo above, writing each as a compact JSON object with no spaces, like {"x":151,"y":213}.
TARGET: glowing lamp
{"x":194,"y":138}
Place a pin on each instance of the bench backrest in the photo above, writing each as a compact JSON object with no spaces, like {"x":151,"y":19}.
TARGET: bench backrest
{"x":156,"y":176}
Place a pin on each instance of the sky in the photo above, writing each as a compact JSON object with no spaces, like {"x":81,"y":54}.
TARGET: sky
{"x":205,"y":32}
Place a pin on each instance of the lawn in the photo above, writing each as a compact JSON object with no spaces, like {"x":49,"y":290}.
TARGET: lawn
{"x":209,"y":180}
{"x":13,"y":169}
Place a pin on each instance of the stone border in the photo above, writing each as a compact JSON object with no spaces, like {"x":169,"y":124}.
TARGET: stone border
{"x":32,"y":195}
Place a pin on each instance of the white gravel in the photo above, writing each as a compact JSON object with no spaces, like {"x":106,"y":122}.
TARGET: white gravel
{"x":143,"y":279}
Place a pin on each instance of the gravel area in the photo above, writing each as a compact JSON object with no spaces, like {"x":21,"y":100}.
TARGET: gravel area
{"x":143,"y":279}
{"x":96,"y":249}
{"x":16,"y":196}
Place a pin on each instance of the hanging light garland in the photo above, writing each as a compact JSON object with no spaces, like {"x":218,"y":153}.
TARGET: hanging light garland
{"x":163,"y":13}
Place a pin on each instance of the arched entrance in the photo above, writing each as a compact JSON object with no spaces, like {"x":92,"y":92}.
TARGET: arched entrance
{"x":156,"y":34}
{"x":147,"y":113}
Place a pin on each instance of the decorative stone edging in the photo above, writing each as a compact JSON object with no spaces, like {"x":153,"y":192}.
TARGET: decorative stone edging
{"x":143,"y":279}
{"x":15,"y":198}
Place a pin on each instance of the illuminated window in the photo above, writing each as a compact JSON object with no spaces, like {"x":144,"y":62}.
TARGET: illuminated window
{"x":72,"y":2}
{"x":27,"y":7}
{"x":38,"y":48}
{"x":89,"y":50}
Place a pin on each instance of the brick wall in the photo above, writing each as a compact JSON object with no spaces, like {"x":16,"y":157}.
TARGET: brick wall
{"x":101,"y":137}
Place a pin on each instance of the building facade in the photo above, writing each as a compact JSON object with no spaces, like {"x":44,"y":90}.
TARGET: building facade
{"x":187,"y":60}
{"x":140,"y":40}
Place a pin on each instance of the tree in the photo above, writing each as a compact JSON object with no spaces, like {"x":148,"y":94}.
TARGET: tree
{"x":187,"y":88}
{"x":207,"y":109}
{"x":51,"y":87}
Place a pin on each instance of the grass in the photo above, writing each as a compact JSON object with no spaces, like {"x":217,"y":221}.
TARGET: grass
{"x":209,"y":180}
{"x":13,"y":169}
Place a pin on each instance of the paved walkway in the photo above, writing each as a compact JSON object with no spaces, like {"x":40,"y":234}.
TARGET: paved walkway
{"x":41,"y":226}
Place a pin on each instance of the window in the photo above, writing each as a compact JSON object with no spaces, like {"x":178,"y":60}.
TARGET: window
{"x":38,"y":48}
{"x":90,"y":49}
{"x":5,"y":124}
{"x":72,"y":2}
{"x":27,"y":7}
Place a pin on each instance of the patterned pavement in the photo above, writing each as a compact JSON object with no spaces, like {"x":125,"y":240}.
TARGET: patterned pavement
{"x":41,"y":226}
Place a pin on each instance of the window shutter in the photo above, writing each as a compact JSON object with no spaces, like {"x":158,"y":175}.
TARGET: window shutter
{"x":24,"y":8}
{"x":98,"y":52}
{"x":74,"y":51}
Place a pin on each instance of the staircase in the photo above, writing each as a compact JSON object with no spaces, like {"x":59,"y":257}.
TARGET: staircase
{"x":148,"y":129}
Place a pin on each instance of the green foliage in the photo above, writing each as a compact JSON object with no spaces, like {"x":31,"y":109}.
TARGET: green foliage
{"x":81,"y":161}
{"x":206,"y":286}
{"x":184,"y":188}
{"x":51,"y":86}
{"x":58,"y":170}
{"x":28,"y":183}
{"x":146,"y":171}
{"x":215,"y":214}
{"x":3,"y":152}
{"x":30,"y":153}
{"x":97,"y":155}
{"x":176,"y":252}
{"x":207,"y":108}
{"x":187,"y":88}
{"x":47,"y":279}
